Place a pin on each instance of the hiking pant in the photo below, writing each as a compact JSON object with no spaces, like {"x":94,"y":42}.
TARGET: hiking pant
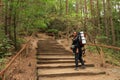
{"x":78,"y":56}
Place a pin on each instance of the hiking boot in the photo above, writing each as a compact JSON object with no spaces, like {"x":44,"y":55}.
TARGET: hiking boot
{"x":83,"y":67}
{"x":76,"y":69}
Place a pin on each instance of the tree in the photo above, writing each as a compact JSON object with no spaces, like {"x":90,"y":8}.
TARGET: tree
{"x":111,"y":21}
{"x":77,"y":7}
{"x":85,"y":11}
{"x":105,"y":21}
{"x":66,"y":7}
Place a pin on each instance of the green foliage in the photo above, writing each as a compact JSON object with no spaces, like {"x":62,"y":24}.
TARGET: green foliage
{"x":112,"y":56}
{"x":55,"y":31}
{"x":5,"y":46}
{"x":92,"y":49}
{"x":20,"y":41}
{"x":40,"y":24}
{"x":2,"y":60}
{"x":57,"y":24}
{"x":101,"y":38}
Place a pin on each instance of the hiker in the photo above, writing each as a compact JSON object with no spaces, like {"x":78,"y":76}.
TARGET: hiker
{"x":77,"y":50}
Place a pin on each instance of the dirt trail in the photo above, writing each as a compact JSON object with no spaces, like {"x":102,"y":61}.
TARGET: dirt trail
{"x":56,"y":62}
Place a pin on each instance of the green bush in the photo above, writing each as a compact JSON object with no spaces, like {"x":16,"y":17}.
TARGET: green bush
{"x":40,"y":24}
{"x":5,"y":46}
{"x":57,"y":24}
{"x":54,"y":31}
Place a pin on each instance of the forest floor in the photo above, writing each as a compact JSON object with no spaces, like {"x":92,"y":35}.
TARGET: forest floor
{"x":25,"y":69}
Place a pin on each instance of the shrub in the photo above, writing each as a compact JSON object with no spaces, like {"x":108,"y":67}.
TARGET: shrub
{"x":54,"y":31}
{"x":5,"y":46}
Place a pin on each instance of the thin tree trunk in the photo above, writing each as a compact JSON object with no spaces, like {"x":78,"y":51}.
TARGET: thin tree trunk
{"x":91,"y":8}
{"x":1,"y":11}
{"x":10,"y":19}
{"x":14,"y":24}
{"x":1,"y":3}
{"x":92,"y":12}
{"x":105,"y":21}
{"x":15,"y":18}
{"x":77,"y":7}
{"x":66,"y":7}
{"x":81,"y":8}
{"x":111,"y":22}
{"x":98,"y":17}
{"x":119,"y":17}
{"x":85,"y":22}
{"x":6,"y":16}
{"x":116,"y":31}
{"x":60,"y":7}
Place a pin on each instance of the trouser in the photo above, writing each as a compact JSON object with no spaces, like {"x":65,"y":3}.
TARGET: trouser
{"x":78,"y":56}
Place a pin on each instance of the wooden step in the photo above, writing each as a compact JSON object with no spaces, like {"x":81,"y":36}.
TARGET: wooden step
{"x":54,"y":62}
{"x":56,"y":56}
{"x":69,"y":72}
{"x":66,"y":65}
{"x":55,"y":47}
{"x":53,"y":50}
{"x":39,"y":58}
{"x":53,"y":54}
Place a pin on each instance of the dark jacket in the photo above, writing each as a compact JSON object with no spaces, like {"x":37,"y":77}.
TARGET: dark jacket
{"x":77,"y":42}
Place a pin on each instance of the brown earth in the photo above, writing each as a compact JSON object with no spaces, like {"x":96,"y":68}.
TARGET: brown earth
{"x":24,"y":67}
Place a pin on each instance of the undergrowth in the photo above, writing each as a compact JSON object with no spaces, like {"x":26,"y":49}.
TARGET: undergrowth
{"x":111,"y":56}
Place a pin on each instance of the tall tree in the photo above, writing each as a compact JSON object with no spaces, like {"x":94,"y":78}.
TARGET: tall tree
{"x":111,"y":21}
{"x":6,"y":18}
{"x":105,"y":20}
{"x":98,"y":16}
{"x":1,"y":4}
{"x":77,"y":7}
{"x":60,"y":7}
{"x":67,"y":7}
{"x":10,"y":18}
{"x":85,"y":17}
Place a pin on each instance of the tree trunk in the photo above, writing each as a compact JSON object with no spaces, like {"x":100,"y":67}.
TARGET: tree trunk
{"x":85,"y":11}
{"x":92,"y":13}
{"x":77,"y":7}
{"x":10,"y":19}
{"x":119,"y":17}
{"x":6,"y":16}
{"x":1,"y":3}
{"x":66,"y":7}
{"x":60,"y":8}
{"x":98,"y":17}
{"x":105,"y":21}
{"x":14,"y":24}
{"x":91,"y":7}
{"x":111,"y":21}
{"x":1,"y":11}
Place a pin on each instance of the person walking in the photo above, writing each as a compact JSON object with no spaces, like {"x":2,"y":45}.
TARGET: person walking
{"x":77,"y":50}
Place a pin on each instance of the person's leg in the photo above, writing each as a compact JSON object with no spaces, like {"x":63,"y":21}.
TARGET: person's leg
{"x":80,"y":56}
{"x":76,"y":57}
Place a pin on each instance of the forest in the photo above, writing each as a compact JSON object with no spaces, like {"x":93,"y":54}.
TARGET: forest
{"x":99,"y":19}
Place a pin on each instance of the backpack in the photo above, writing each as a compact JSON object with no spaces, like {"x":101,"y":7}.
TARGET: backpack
{"x":82,"y":39}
